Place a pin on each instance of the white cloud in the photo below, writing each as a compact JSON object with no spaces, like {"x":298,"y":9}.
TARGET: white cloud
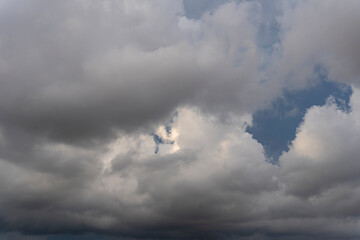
{"x":325,"y":151}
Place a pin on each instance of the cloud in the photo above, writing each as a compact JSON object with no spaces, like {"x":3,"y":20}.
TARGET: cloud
{"x":324,"y":153}
{"x":207,"y":177}
{"x":80,"y":70}
{"x":320,"y":33}
{"x":17,"y":236}
{"x":129,"y":119}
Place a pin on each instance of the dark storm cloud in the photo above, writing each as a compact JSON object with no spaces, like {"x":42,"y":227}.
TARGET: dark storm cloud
{"x":45,"y":87}
{"x":84,"y":84}
{"x":74,"y":70}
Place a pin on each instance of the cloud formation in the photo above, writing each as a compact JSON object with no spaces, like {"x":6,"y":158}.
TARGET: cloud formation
{"x":321,"y":33}
{"x":127,"y":118}
{"x":79,"y":70}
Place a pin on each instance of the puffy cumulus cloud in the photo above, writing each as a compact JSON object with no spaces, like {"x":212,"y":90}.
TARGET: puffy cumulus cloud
{"x":317,"y":192}
{"x":75,"y":71}
{"x":207,"y":177}
{"x":325,"y":153}
{"x":319,"y":33}
{"x":320,"y":170}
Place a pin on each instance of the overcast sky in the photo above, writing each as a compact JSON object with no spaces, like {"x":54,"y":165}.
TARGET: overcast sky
{"x":179,"y":119}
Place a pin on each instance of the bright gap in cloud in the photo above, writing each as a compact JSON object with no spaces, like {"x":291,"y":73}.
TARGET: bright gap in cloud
{"x":275,"y":127}
{"x":164,"y":134}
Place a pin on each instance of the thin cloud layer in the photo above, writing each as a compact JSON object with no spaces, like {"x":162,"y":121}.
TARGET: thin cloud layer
{"x":128,"y":119}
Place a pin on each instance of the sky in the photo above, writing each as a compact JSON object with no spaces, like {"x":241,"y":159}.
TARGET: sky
{"x":181,"y":119}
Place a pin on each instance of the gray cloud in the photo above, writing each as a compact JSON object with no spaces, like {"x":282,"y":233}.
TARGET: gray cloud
{"x":76,"y":71}
{"x":220,"y":184}
{"x":320,"y":33}
{"x":83,"y":84}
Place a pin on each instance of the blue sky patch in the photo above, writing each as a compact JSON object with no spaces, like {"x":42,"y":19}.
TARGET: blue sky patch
{"x":275,"y":127}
